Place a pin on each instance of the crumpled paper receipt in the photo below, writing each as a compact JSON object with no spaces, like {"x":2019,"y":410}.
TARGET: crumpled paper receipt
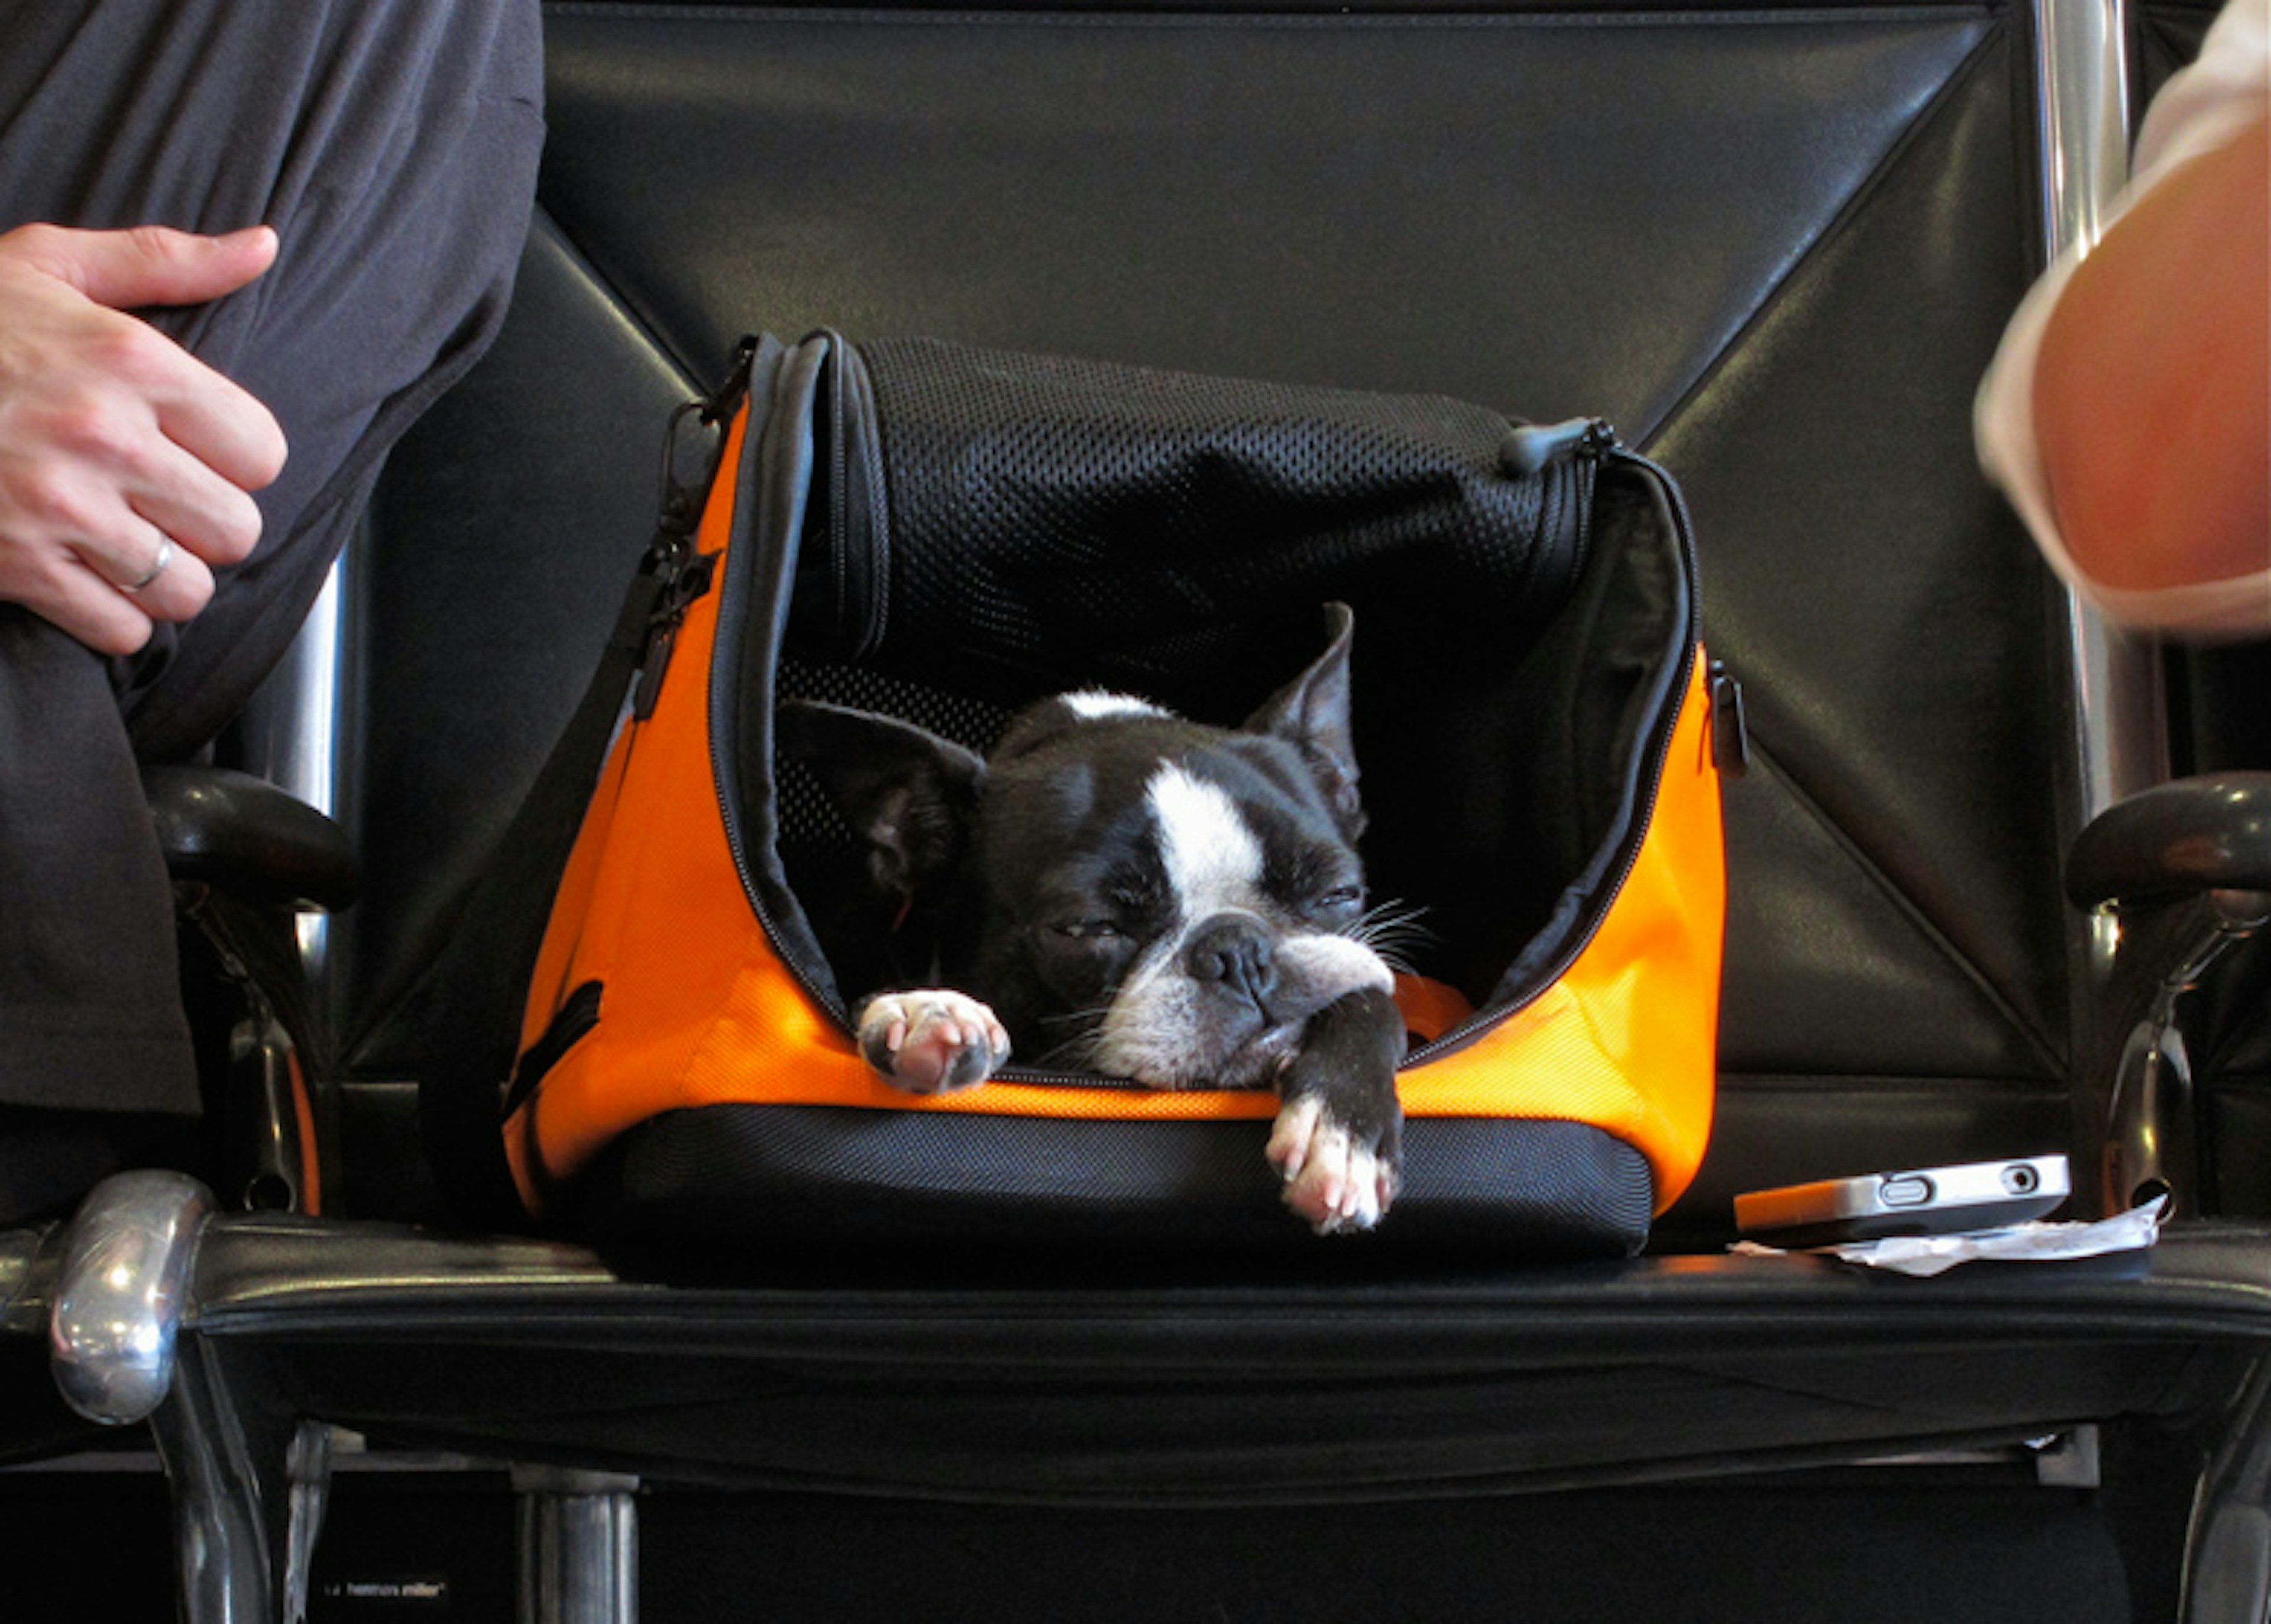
{"x":2038,"y":1242}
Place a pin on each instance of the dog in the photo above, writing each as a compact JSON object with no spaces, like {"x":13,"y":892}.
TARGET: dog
{"x":1117,"y":889}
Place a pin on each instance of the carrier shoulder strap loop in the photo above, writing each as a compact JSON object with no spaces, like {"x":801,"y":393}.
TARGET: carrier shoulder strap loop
{"x":477,"y":986}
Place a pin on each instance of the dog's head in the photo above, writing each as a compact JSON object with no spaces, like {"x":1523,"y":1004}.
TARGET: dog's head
{"x":1135,"y":894}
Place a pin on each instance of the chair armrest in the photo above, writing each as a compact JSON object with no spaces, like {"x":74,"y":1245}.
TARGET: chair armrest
{"x":2197,"y":835}
{"x":123,"y":1291}
{"x":243,"y":836}
{"x":2193,"y":859}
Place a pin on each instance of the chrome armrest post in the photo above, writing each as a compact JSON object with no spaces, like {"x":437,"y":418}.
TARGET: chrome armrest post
{"x":2082,"y":97}
{"x":2151,"y":1143}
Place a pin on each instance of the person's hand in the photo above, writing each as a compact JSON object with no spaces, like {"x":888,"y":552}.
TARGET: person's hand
{"x":121,"y":453}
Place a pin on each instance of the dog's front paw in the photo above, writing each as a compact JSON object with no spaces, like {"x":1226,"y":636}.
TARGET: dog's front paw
{"x":1338,"y":1140}
{"x":931,"y":1042}
{"x":1336,"y":1177}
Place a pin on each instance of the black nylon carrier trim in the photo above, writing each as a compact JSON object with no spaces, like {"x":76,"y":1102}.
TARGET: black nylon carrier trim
{"x":756,"y":1176}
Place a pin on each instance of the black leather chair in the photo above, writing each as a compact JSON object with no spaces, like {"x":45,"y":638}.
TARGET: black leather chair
{"x":1775,"y":247}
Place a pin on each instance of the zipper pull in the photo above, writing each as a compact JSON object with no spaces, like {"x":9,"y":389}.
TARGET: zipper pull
{"x":1530,"y":448}
{"x":722,"y":404}
{"x":1730,"y":735}
{"x":691,"y":443}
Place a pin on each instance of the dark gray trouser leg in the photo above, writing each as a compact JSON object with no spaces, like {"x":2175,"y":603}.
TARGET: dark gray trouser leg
{"x":393,"y":144}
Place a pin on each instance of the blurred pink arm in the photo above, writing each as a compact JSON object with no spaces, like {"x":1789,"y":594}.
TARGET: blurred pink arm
{"x":2152,"y":393}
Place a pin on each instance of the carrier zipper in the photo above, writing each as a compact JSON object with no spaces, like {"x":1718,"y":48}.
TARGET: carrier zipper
{"x":731,"y":592}
{"x":848,"y":592}
{"x":1658,"y":755}
{"x":1579,"y":444}
{"x":864,"y":580}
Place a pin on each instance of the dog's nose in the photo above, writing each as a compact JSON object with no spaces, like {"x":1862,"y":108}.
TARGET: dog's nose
{"x":1234,"y":951}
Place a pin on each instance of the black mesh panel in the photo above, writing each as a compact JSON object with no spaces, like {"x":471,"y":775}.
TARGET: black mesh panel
{"x":1056,"y":521}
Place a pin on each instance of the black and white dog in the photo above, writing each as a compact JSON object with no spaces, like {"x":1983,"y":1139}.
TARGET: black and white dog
{"x":1119,"y":891}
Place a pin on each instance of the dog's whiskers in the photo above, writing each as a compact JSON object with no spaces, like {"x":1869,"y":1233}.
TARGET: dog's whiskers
{"x":1392,"y":929}
{"x":1076,"y":1052}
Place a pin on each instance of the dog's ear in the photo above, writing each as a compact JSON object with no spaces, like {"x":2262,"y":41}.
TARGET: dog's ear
{"x":1311,"y":714}
{"x":908,"y":794}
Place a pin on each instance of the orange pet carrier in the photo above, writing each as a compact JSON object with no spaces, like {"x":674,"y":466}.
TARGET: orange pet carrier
{"x":946,"y":534}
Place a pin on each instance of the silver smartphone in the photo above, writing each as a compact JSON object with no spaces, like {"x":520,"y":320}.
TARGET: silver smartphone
{"x":1920,"y":1200}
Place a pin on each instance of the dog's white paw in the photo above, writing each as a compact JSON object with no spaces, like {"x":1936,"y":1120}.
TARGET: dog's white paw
{"x":931,"y":1042}
{"x":1335,"y":1182}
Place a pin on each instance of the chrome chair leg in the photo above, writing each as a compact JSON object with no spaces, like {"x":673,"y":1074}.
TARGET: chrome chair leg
{"x":249,"y":1489}
{"x":2228,"y":1548}
{"x":578,"y":1546}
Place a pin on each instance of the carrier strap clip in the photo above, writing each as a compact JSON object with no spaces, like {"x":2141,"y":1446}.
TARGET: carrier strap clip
{"x":679,"y":578}
{"x":673,"y":574}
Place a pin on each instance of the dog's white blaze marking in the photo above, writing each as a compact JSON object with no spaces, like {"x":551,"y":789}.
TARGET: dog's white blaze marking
{"x":1211,"y":856}
{"x":1213,"y":863}
{"x":1094,"y":705}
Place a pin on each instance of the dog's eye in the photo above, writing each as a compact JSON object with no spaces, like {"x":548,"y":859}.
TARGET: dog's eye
{"x":1089,"y":930}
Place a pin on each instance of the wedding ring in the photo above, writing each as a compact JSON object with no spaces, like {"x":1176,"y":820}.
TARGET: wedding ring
{"x":158,"y":567}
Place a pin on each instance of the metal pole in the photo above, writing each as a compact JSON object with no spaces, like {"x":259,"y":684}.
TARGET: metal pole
{"x":2082,"y":81}
{"x":578,"y":1546}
